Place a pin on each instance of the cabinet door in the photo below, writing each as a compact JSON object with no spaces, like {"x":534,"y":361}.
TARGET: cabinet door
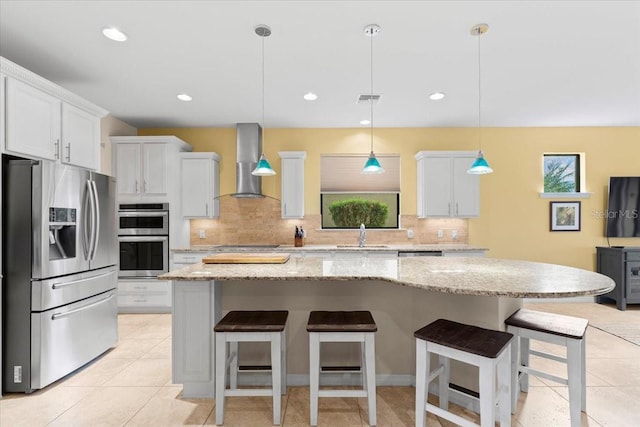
{"x":127,"y":168}
{"x":196,"y":182}
{"x":436,"y":187}
{"x":466,"y":187}
{"x":292,"y":188}
{"x":80,"y":137}
{"x":154,"y":180}
{"x":32,"y":121}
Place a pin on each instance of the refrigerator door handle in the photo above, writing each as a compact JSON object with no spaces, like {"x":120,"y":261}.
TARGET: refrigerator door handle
{"x":86,"y":279}
{"x":56,"y":316}
{"x":96,"y":223}
{"x":86,"y":227}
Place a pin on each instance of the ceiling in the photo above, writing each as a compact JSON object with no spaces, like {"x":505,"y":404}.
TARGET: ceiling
{"x":543,"y":63}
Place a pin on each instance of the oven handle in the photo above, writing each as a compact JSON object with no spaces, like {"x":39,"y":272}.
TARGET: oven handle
{"x":137,"y":214}
{"x":86,"y":279}
{"x":56,"y":316}
{"x":142,"y":238}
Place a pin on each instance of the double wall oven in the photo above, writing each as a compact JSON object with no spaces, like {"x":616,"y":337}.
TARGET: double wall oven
{"x":143,"y":240}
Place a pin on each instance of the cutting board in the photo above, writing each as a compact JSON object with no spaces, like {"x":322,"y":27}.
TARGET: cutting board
{"x":247,"y":258}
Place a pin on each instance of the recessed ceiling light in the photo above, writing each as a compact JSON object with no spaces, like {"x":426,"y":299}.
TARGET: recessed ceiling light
{"x":436,"y":96}
{"x":114,"y":34}
{"x":184,"y":97}
{"x":310,"y":96}
{"x":365,"y":122}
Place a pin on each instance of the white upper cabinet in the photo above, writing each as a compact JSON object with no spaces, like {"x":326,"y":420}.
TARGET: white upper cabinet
{"x":146,"y":167}
{"x":445,"y":189}
{"x":200,"y":185}
{"x":44,"y":121}
{"x":292,"y":175}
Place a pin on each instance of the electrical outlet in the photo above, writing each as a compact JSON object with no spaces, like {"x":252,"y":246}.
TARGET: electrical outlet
{"x":201,"y":234}
{"x":409,"y":234}
{"x":454,"y":234}
{"x":440,"y":234}
{"x":17,"y":374}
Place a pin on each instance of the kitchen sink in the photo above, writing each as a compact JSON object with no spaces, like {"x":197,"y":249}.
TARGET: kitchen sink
{"x":361,"y":247}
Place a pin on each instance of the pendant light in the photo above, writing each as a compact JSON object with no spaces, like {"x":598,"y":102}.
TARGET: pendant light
{"x":263,"y":168}
{"x":372,"y":165}
{"x":480,"y":165}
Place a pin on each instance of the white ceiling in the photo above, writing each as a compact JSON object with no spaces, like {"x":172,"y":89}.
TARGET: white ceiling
{"x":544,"y":63}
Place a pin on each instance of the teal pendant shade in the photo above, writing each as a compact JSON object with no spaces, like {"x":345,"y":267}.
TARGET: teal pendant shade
{"x":479,"y":166}
{"x":372,"y":166}
{"x":263,"y":168}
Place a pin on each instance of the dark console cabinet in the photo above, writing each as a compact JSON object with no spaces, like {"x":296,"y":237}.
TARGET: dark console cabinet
{"x":622,"y":264}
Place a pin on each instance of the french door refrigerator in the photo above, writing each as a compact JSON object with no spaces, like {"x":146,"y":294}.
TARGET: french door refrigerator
{"x":60,"y":273}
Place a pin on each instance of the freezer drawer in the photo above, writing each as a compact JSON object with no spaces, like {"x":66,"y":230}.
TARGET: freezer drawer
{"x":47,"y":294}
{"x":66,"y":338}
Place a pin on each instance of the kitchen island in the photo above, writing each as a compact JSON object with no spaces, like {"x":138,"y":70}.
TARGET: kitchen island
{"x":403,"y":295}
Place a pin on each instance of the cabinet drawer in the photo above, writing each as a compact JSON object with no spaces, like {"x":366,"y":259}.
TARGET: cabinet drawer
{"x":187,"y":257}
{"x":155,"y":287}
{"x":633,"y":256}
{"x":144,"y":300}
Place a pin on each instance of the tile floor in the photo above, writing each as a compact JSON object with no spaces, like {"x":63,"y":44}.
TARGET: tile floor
{"x":131,"y":385}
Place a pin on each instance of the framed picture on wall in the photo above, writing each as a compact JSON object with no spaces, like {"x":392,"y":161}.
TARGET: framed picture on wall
{"x":564,"y":216}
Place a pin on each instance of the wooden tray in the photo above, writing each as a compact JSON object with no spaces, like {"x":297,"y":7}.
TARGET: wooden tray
{"x":247,"y":258}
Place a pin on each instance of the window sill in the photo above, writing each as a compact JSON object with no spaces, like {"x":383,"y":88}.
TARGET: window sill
{"x":565,"y":195}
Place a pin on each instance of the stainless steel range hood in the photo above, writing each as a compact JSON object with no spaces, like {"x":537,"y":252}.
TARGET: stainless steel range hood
{"x":249,"y":146}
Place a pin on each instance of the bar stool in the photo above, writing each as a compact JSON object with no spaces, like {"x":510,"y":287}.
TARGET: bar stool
{"x":489,"y":350}
{"x":556,"y":329}
{"x":342,"y":326}
{"x":250,"y":326}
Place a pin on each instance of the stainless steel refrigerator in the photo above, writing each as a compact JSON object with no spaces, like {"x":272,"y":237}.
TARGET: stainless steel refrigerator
{"x":59,"y":271}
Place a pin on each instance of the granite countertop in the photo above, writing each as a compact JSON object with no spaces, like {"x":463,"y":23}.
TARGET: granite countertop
{"x":332,"y":248}
{"x":465,"y":276}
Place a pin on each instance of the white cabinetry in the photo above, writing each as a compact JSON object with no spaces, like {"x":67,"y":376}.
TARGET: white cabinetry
{"x":469,"y":253}
{"x":145,"y":166}
{"x":44,"y":121}
{"x":292,"y":172}
{"x":200,"y":185}
{"x":445,"y":189}
{"x":144,"y":296}
{"x":185,"y":258}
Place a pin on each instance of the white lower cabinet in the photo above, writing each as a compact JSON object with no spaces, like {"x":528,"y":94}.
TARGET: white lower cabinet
{"x":185,"y":258}
{"x":144,"y":296}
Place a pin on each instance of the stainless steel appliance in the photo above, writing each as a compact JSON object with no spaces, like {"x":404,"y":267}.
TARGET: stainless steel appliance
{"x":59,"y":267}
{"x":143,"y":239}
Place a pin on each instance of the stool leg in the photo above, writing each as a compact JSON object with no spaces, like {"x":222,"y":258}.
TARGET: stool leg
{"x":583,"y":371}
{"x":370,"y":361}
{"x":574,"y":370}
{"x":422,"y":375}
{"x":443,"y":382}
{"x":233,"y":365}
{"x":314,"y":376}
{"x":515,"y":373}
{"x":524,"y":361}
{"x":283,"y":357}
{"x":504,"y":387}
{"x":363,"y":365}
{"x":221,"y":375}
{"x":487,"y":392}
{"x":276,"y":375}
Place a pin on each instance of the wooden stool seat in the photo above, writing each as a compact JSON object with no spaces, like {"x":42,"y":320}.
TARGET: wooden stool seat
{"x":250,"y":326}
{"x":566,"y":331}
{"x":487,"y":349}
{"x":342,"y":326}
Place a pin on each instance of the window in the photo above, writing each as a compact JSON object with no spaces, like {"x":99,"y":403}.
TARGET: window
{"x":354,"y":198}
{"x":562,"y":173}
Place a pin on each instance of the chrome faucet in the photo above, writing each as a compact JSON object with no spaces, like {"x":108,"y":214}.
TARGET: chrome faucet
{"x":363,"y":236}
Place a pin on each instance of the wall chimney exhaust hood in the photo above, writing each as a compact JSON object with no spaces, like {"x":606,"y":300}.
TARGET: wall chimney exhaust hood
{"x":249,"y":148}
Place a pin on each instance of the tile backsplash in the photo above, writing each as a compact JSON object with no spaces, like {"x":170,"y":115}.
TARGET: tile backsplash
{"x":258,"y":221}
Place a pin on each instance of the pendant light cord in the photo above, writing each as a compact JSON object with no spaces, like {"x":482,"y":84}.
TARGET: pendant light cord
{"x":263,"y":124}
{"x":479,"y":92}
{"x":371,"y":94}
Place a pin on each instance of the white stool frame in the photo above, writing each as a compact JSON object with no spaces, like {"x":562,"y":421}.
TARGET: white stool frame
{"x":490,"y":395}
{"x":575,"y":361}
{"x":229,"y":361}
{"x":368,"y":360}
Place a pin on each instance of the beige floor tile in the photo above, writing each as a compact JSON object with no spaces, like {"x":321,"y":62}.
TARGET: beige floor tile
{"x":98,"y":372}
{"x":331,"y":411}
{"x":41,"y":407}
{"x":169,"y":408}
{"x":612,"y":406}
{"x":617,"y":372}
{"x":132,"y":348}
{"x":542,"y":406}
{"x":395,"y":406}
{"x":162,"y":350}
{"x":106,"y":406}
{"x":248,"y":411}
{"x":601,"y":344}
{"x":142,"y":373}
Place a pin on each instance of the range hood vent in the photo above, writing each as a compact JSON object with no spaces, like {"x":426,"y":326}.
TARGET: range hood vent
{"x":249,"y":148}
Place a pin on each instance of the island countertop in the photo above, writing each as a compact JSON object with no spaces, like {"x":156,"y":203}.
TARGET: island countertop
{"x":451,"y":247}
{"x":463,"y":276}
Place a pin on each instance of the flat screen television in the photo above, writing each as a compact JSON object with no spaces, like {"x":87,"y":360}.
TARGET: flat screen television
{"x":623,"y":209}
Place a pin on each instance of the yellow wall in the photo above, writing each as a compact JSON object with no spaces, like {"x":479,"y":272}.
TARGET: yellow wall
{"x":514,"y":221}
